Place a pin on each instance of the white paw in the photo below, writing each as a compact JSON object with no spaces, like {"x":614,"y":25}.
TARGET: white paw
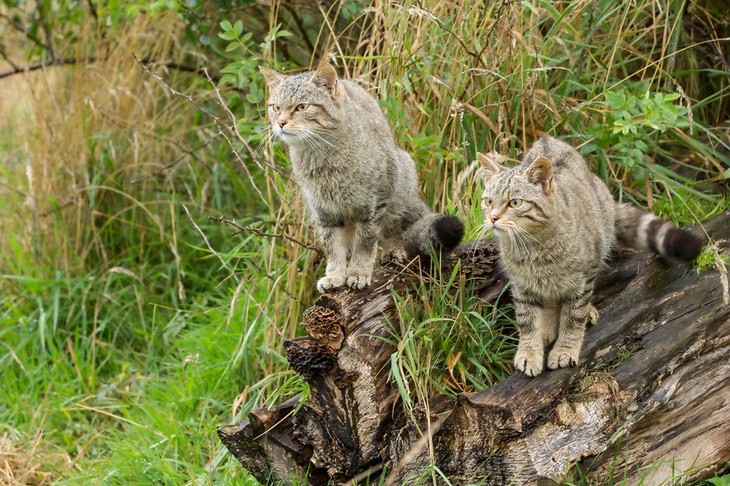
{"x":529,"y":361}
{"x":562,"y":358}
{"x":358,"y":282}
{"x":330,"y":282}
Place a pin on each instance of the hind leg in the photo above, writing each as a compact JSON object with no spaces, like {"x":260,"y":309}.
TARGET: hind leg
{"x":394,"y":251}
{"x":593,"y":315}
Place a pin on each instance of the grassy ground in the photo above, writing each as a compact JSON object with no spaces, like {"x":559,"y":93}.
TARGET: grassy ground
{"x":135,"y":318}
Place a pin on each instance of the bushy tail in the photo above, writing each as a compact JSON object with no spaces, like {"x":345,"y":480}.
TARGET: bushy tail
{"x":433,"y":231}
{"x":642,"y":230}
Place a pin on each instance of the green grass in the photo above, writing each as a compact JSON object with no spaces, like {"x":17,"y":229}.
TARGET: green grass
{"x":130,"y":331}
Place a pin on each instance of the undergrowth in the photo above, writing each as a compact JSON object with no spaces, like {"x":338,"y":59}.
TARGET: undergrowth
{"x":155,"y":254}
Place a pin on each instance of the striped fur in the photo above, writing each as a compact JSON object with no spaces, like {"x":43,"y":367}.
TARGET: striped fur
{"x":360,"y":187}
{"x":557,"y":224}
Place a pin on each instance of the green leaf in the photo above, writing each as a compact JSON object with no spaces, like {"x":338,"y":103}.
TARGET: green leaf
{"x":226,"y":26}
{"x":238,"y":28}
{"x":228,"y":79}
{"x":615,"y":100}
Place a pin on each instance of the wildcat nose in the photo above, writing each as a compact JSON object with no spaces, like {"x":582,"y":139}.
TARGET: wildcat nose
{"x":493,"y":217}
{"x":281,"y":123}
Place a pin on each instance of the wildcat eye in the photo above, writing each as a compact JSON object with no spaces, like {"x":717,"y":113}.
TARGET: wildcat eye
{"x":276,"y":108}
{"x":488,"y":201}
{"x":515,"y":203}
{"x":302,"y":106}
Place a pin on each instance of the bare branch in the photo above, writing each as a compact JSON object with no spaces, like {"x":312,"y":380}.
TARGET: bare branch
{"x":258,"y":232}
{"x":207,"y":243}
{"x":35,"y":40}
{"x":176,"y":161}
{"x":61,"y":61}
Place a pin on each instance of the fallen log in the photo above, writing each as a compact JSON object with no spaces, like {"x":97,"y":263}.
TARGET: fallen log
{"x":649,"y":399}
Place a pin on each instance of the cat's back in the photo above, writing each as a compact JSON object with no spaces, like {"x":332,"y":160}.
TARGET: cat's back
{"x":364,"y":110}
{"x":565,"y":159}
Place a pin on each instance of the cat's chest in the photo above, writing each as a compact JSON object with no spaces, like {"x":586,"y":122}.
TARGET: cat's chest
{"x":548,"y":277}
{"x":336,"y":193}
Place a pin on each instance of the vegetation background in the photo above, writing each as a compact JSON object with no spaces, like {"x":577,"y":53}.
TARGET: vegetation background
{"x":154,"y":251}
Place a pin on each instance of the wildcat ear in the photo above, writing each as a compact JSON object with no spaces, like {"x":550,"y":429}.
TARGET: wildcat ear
{"x":273,"y":79}
{"x":541,"y":172}
{"x":326,"y":77}
{"x":490,"y":164}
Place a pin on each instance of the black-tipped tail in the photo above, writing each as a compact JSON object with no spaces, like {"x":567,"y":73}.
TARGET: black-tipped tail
{"x":682,"y":244}
{"x":642,"y":230}
{"x":433,"y":232}
{"x":449,"y":231}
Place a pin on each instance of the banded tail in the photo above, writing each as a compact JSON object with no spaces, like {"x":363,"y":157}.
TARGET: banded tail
{"x":642,"y":230}
{"x":433,"y":231}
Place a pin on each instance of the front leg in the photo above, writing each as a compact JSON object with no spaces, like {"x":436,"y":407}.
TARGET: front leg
{"x":334,"y":239}
{"x":365,"y":244}
{"x":530,"y":313}
{"x":574,"y":314}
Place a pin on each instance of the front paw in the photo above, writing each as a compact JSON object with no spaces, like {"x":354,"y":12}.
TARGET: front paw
{"x":561,"y":357}
{"x":330,"y":282}
{"x":529,"y":361}
{"x":358,"y":282}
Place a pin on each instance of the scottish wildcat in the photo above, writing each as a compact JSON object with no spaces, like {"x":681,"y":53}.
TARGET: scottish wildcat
{"x":359,"y":185}
{"x":557,"y":223}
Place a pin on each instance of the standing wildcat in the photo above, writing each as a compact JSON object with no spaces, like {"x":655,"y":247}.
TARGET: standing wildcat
{"x":359,"y":185}
{"x":557,"y":224}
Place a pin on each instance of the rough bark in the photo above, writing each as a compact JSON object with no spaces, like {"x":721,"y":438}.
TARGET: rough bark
{"x":650,"y":389}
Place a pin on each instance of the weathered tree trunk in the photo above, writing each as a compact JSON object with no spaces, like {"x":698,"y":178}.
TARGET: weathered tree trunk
{"x":651,"y":389}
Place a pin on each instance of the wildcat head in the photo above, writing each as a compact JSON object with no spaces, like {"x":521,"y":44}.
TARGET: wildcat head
{"x":304,"y":107}
{"x":518,"y":199}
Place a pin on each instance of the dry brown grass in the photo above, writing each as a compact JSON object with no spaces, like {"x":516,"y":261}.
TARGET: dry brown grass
{"x":27,"y":465}
{"x":82,"y":132}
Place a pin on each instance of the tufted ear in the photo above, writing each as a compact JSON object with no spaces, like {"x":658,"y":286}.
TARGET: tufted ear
{"x":490,"y":164}
{"x":541,"y":172}
{"x":326,"y":77}
{"x":273,"y":79}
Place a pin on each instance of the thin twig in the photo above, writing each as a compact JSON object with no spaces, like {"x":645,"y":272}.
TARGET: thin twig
{"x":222,"y":127}
{"x":234,"y":124}
{"x":233,"y":130}
{"x":46,"y":31}
{"x":175,"y":162}
{"x":258,"y":232}
{"x":20,"y":29}
{"x":62,"y":61}
{"x":207,"y":243}
{"x":277,"y":280}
